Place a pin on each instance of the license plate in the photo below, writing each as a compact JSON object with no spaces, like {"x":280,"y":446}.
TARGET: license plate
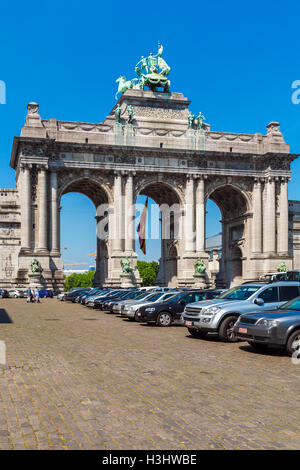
{"x":242,"y":330}
{"x":188,"y":323}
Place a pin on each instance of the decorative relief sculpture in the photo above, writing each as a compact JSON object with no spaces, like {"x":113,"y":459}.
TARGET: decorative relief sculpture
{"x":35,"y":266}
{"x":126,"y":266}
{"x":200,"y":267}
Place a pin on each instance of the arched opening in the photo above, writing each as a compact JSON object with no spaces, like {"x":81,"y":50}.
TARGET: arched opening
{"x":163,"y":229}
{"x":82,"y":201}
{"x":233,"y":206}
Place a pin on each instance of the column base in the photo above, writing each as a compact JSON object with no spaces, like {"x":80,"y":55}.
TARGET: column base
{"x":42,"y":251}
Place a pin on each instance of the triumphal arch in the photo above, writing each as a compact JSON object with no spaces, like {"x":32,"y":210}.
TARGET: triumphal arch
{"x":152,"y":144}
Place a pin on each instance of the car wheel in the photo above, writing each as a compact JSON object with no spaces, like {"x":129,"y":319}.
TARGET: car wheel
{"x":15,"y":296}
{"x":293,"y":343}
{"x":164,"y":319}
{"x":226,"y":332}
{"x":197,"y":333}
{"x":258,"y":346}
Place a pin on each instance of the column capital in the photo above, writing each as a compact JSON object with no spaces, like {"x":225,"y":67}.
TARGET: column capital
{"x":200,"y":177}
{"x":285,"y":179}
{"x":129,"y":173}
{"x":41,"y":167}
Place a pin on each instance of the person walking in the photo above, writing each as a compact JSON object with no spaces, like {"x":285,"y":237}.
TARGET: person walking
{"x":37,"y":295}
{"x":28,"y":295}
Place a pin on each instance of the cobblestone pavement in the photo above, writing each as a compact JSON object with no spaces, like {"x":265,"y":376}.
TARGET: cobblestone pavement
{"x":81,"y":379}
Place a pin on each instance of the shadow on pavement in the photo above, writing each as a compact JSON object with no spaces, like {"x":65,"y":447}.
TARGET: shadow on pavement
{"x":268,"y":351}
{"x":4,"y":317}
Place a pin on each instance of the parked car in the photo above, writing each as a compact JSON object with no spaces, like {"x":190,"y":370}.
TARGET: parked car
{"x":46,"y":293}
{"x":89,"y":301}
{"x":170,"y":311}
{"x":16,"y":293}
{"x":71,"y":296}
{"x":120,"y":305}
{"x":279,"y":328}
{"x":273,"y":277}
{"x":4,"y":294}
{"x":220,"y":315}
{"x":61,"y":296}
{"x":97,"y":290}
{"x":293,"y":275}
{"x":131,"y":309}
{"x":99,"y":303}
{"x":127,"y":295}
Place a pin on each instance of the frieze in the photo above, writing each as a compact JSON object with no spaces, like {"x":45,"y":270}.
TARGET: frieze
{"x":157,"y":112}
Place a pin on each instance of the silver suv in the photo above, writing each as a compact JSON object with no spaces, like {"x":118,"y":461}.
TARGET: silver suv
{"x":219,"y":315}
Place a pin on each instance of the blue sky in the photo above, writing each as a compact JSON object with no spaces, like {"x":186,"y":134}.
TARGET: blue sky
{"x":235,"y":60}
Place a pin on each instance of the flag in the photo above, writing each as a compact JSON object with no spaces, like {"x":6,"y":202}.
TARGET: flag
{"x":141,"y":230}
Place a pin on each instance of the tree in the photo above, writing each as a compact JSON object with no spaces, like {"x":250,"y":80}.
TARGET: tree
{"x":79,"y":280}
{"x":148,"y":272}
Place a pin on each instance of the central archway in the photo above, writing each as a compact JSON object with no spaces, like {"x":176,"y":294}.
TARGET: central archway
{"x":100,"y":197}
{"x":234,"y":206}
{"x":169,"y":200}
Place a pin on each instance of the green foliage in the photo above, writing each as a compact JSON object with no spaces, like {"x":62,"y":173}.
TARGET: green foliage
{"x":282,"y":267}
{"x":79,"y":280}
{"x":148,"y":272}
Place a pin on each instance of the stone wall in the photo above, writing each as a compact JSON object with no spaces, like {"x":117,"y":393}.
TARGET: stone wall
{"x":294,"y":232}
{"x":10,"y":236}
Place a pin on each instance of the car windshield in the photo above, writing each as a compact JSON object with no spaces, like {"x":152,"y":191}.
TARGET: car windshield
{"x":166,"y":297}
{"x":239,"y":293}
{"x":175,"y":298}
{"x":292,"y":304}
{"x":154,"y":297}
{"x":141,"y":296}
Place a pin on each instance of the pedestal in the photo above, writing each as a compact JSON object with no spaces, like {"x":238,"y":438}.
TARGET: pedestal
{"x":127,"y":280}
{"x":35,"y":280}
{"x":200,"y":281}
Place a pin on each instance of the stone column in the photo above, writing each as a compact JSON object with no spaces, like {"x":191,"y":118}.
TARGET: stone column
{"x":58,"y":226}
{"x":117,"y":219}
{"x":129,"y":215}
{"x":26,"y":211}
{"x":284,"y":217}
{"x":257,"y":217}
{"x":200,"y":216}
{"x":54,"y":215}
{"x":189,"y":219}
{"x":42,"y":208}
{"x":269,"y":217}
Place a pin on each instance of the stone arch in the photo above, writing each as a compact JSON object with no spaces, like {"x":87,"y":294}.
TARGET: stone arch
{"x":168,"y":195}
{"x":99,"y":194}
{"x":91,"y":187}
{"x":216,"y":188}
{"x":235,"y":205}
{"x":173,"y":188}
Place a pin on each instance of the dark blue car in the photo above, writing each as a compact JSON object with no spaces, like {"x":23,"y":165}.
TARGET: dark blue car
{"x":46,"y":293}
